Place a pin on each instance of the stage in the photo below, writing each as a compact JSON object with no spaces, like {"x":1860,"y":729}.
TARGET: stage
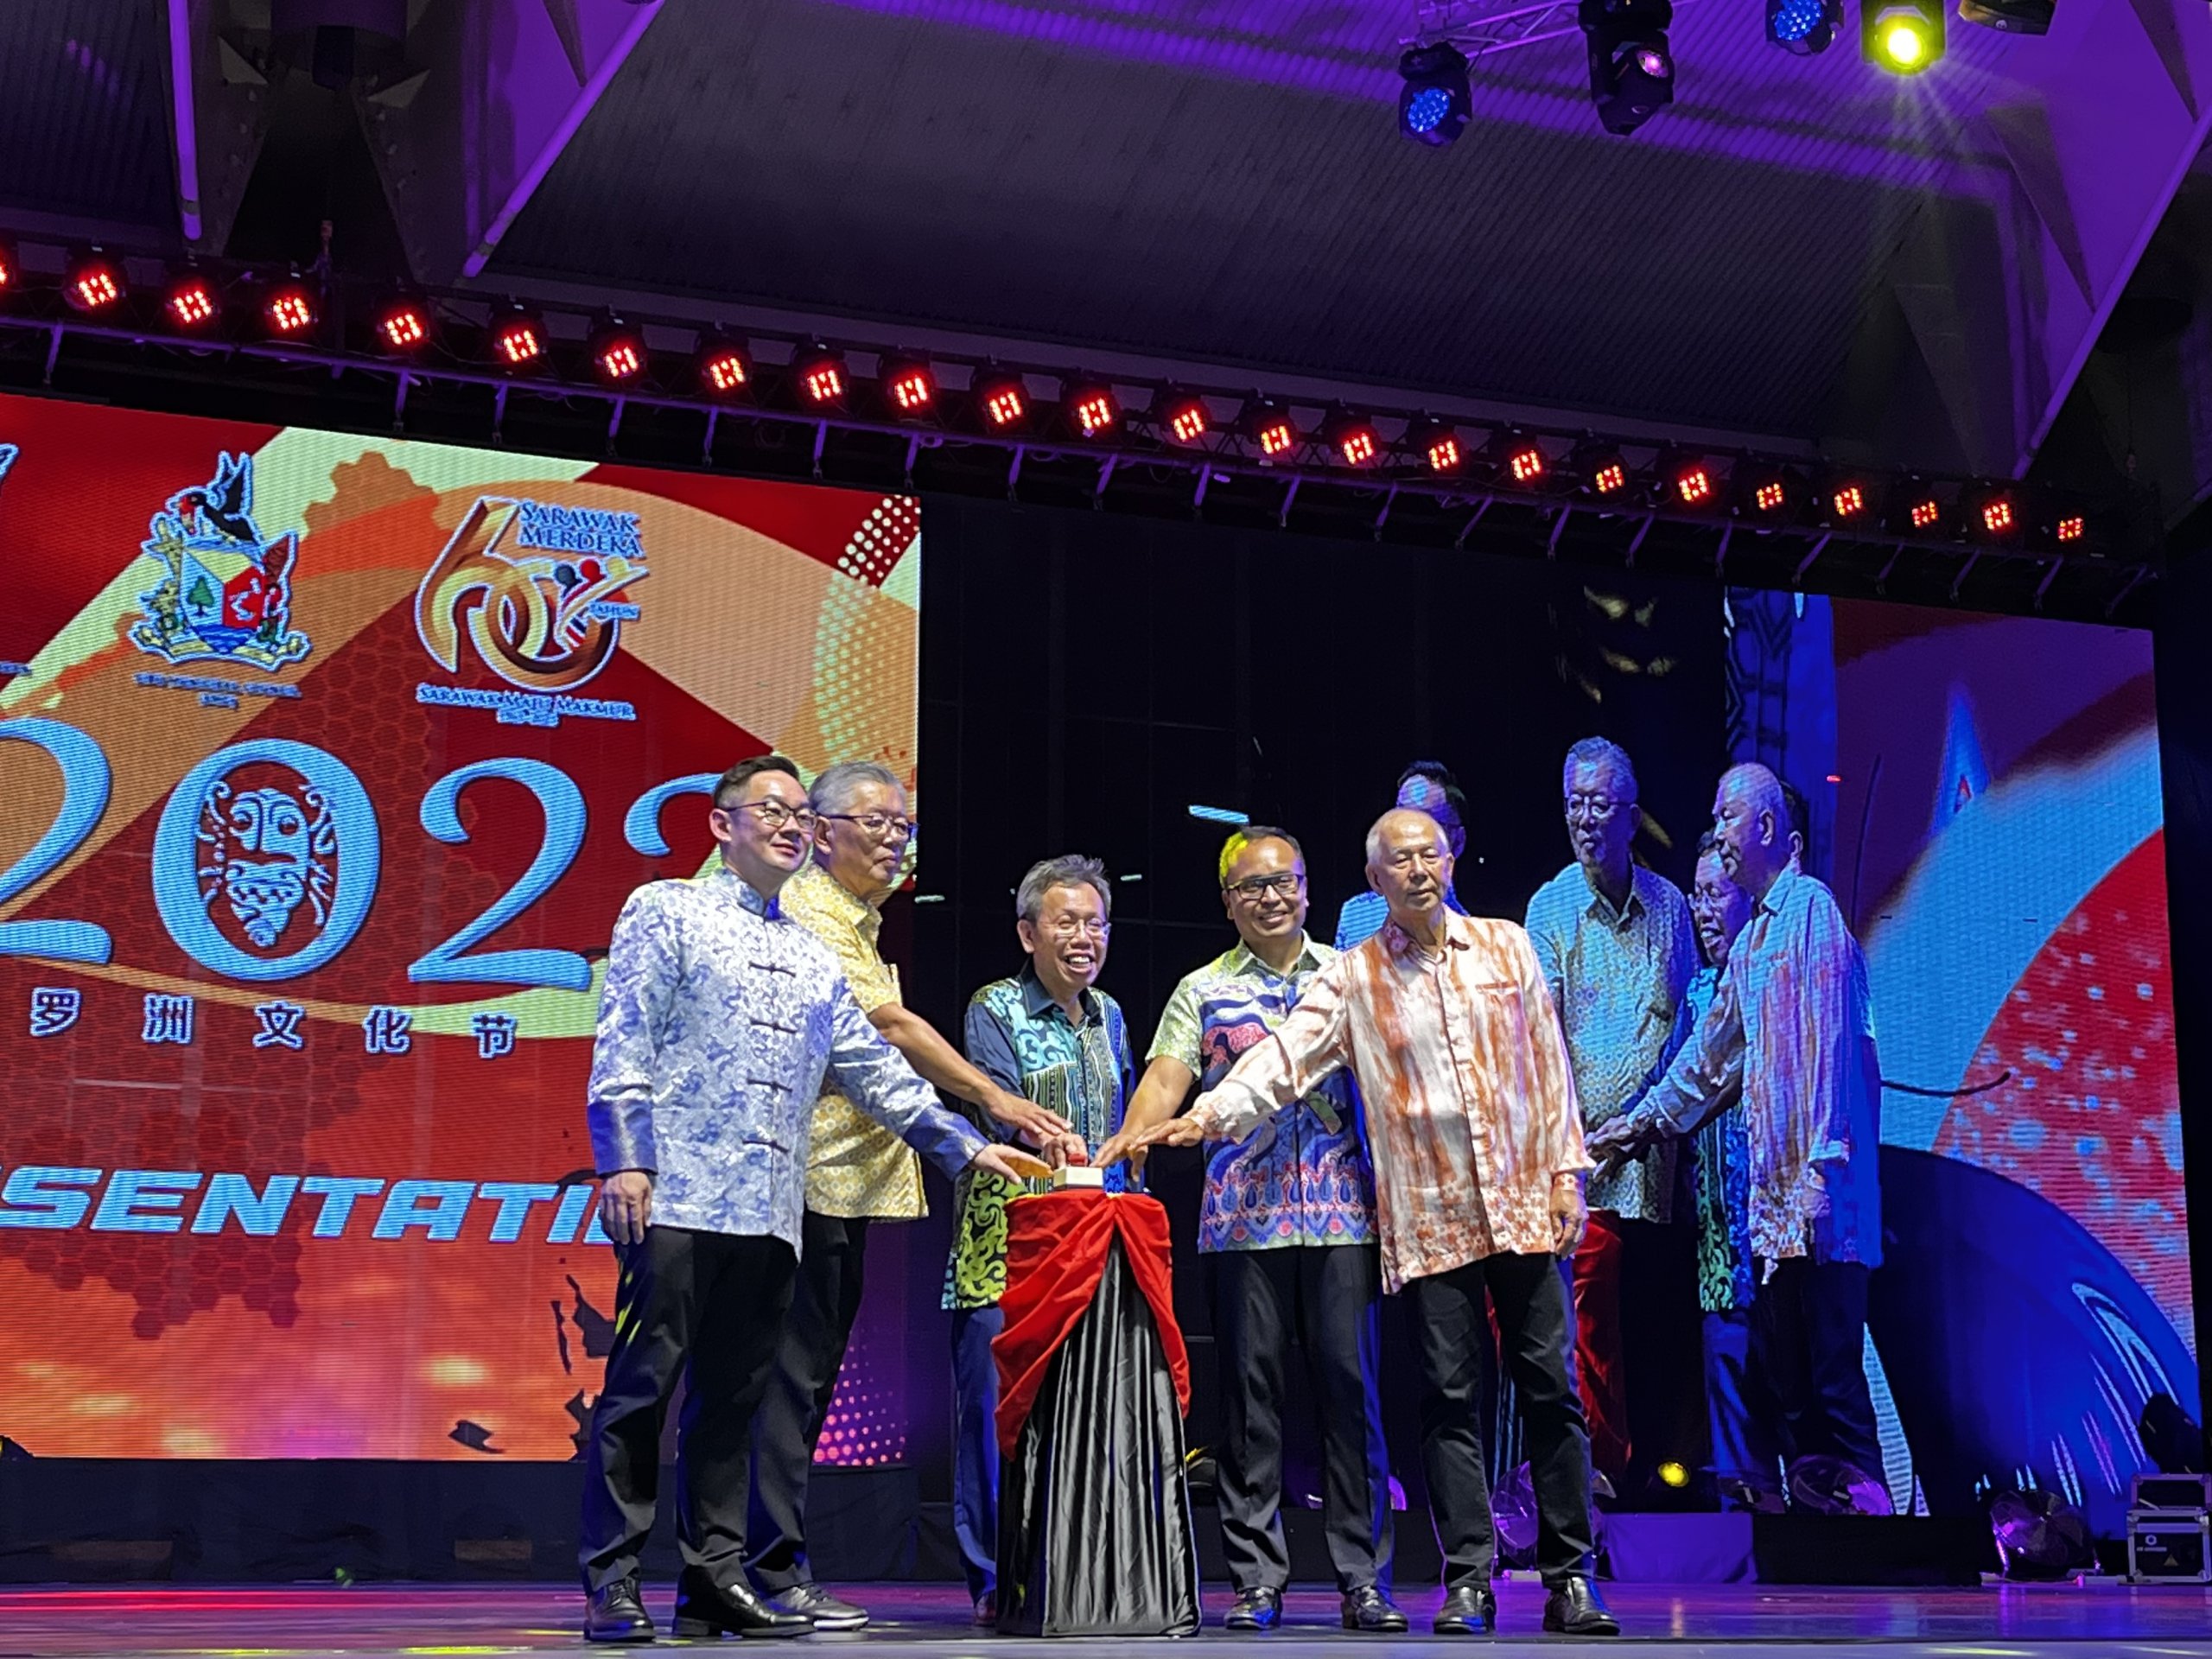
{"x":392,"y":1619}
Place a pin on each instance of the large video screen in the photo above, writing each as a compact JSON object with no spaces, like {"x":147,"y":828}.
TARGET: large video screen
{"x":329,"y":762}
{"x":1986,"y":805}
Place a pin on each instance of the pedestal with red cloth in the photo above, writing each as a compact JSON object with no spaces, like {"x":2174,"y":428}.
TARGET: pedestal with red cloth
{"x":1095,"y":1531}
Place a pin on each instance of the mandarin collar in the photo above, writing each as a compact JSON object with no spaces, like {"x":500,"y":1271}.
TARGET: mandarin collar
{"x":728,"y":883}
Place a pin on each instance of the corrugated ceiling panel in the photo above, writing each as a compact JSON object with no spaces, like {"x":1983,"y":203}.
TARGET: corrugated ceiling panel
{"x":83,"y":110}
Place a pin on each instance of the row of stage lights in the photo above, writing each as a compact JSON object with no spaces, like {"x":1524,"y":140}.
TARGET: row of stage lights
{"x":818,"y":380}
{"x":1632,"y":62}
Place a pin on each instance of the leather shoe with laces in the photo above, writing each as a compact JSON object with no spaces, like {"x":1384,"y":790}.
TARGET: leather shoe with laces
{"x":1368,"y":1609}
{"x":1259,"y":1608}
{"x":613,"y":1613}
{"x":706,"y":1608}
{"x":811,"y":1601}
{"x":1575,"y":1608}
{"x":1468,"y":1610}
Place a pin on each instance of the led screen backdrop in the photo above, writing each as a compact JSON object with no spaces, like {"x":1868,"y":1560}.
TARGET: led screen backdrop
{"x":329,"y":762}
{"x":1986,"y":805}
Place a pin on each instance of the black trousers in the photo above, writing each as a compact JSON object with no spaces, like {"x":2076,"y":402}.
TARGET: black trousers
{"x":1535,"y":1331}
{"x":1324,"y":1298}
{"x":707,"y":1307}
{"x":833,"y":1254}
{"x":1808,"y":1338}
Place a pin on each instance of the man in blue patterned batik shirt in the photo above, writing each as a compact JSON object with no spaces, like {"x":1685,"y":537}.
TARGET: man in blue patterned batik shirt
{"x":1287,"y":1220}
{"x":1049,"y":1035}
{"x":1617,"y":950}
{"x":718,"y":1023}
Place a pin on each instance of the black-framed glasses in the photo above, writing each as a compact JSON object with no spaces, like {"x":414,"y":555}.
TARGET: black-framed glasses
{"x":1073,"y":927}
{"x":882,"y":825}
{"x":1598,"y":809}
{"x":1255,"y":888}
{"x":775,"y":815}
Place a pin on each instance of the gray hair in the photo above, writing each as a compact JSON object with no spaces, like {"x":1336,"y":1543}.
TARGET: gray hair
{"x":1600,"y":752}
{"x":1762,"y":792}
{"x":1374,"y":830}
{"x":834,"y":786}
{"x":1068,"y":870}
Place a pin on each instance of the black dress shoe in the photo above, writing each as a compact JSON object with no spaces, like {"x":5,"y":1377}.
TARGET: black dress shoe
{"x":616,"y":1614}
{"x":705,"y":1608}
{"x":1469,"y":1610}
{"x":1255,"y":1610}
{"x":1576,"y":1607}
{"x":1368,"y":1609}
{"x":811,"y":1601}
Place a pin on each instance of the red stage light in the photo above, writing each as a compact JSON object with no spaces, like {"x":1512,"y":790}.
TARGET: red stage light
{"x":1769,"y":497}
{"x":1997,"y":515}
{"x":7,"y":265}
{"x":1269,"y":426}
{"x":1184,"y":417}
{"x":1524,"y":464}
{"x":819,"y":373}
{"x":1438,"y":444}
{"x":724,"y":368}
{"x":909,"y":386}
{"x":1353,"y":436}
{"x":1610,"y":477}
{"x":92,"y":282}
{"x":1092,"y":407}
{"x":1848,"y":502}
{"x":618,"y":351}
{"x":2072,"y":528}
{"x":1694,"y":484}
{"x":402,"y":325}
{"x":1003,"y":399}
{"x":621,"y":361}
{"x":519,"y":340}
{"x":1925,"y":513}
{"x":289,"y":311}
{"x":191,"y":303}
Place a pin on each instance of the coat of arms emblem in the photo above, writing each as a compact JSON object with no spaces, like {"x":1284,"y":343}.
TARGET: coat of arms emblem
{"x":226,"y":593}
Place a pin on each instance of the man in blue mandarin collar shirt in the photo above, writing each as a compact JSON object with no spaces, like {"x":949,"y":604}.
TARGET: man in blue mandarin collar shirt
{"x":718,"y":1023}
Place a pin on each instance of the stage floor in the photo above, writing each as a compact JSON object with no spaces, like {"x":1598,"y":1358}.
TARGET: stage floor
{"x":417,"y":1621}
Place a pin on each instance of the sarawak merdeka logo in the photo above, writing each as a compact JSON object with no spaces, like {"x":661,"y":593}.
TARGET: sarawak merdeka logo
{"x":225,"y":594}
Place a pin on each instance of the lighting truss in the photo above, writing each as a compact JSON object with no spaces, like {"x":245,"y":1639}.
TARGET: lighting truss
{"x":1479,"y":26}
{"x":1607,"y":506}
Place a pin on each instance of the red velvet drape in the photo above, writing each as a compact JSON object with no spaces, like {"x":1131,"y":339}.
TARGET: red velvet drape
{"x":1055,"y":1254}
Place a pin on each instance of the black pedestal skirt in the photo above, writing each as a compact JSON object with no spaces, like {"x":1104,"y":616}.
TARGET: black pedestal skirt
{"x":1094,"y":1532}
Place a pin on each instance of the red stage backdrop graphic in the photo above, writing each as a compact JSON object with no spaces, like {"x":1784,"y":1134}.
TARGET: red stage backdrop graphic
{"x":329,"y":762}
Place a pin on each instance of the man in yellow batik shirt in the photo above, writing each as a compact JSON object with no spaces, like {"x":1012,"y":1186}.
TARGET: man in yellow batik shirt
{"x":856,"y":1172}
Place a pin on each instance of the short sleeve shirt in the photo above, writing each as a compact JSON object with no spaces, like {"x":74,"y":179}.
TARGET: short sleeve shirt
{"x":858,"y":1169}
{"x":1303,"y":1178}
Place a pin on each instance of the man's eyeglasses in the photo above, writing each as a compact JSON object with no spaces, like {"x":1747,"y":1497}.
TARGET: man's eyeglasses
{"x":884,"y":826}
{"x":1071,"y":927}
{"x":1598,"y":809}
{"x":1253,"y":888}
{"x":775,"y":815}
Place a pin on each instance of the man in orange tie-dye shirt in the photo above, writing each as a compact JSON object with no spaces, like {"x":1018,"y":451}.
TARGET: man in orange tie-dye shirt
{"x":1448,"y":1026}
